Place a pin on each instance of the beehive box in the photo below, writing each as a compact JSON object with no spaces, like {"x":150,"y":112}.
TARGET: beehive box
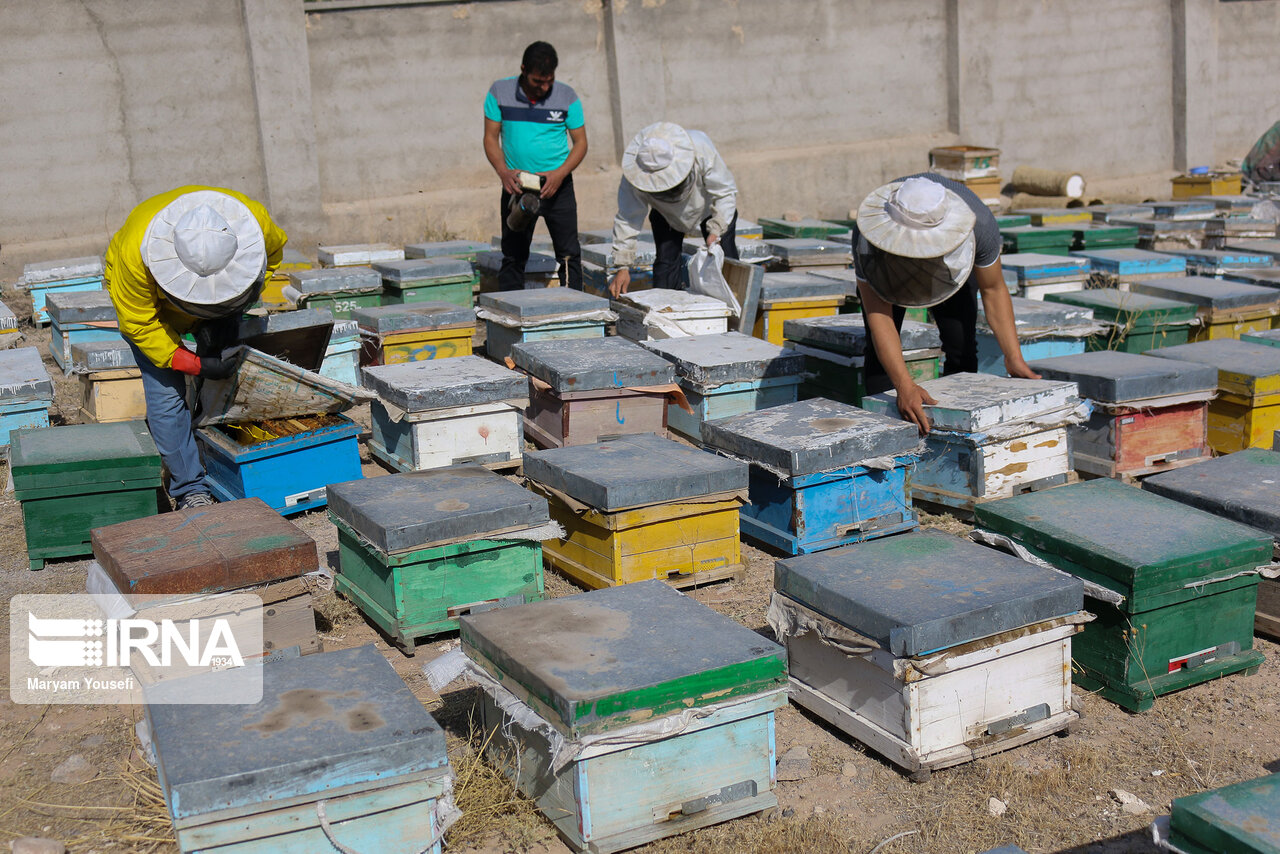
{"x":957,"y":652}
{"x":286,"y":462}
{"x":991,"y":437}
{"x":440,"y":279}
{"x":539,"y":270}
{"x":1172,"y":611}
{"x":1180,"y":209}
{"x":823,"y":474}
{"x":794,"y":296}
{"x":26,"y":392}
{"x":807,"y":254}
{"x":241,"y":778}
{"x":1225,"y":309}
{"x":1138,"y":322}
{"x":1010,"y":220}
{"x":299,"y":337}
{"x":1219,"y":262}
{"x":807,"y":228}
{"x":601,"y":253}
{"x":75,"y":478}
{"x":538,"y":314}
{"x":342,"y":353}
{"x":464,"y":249}
{"x":641,"y":507}
{"x":1238,"y":818}
{"x":1229,"y":204}
{"x":1038,"y":273}
{"x":416,"y":332}
{"x":340,"y":290}
{"x":110,"y":382}
{"x":358,"y":254}
{"x":725,"y":375}
{"x":835,"y":349}
{"x":1246,"y":411}
{"x":418,"y":550}
{"x":589,"y":389}
{"x":1267,"y":278}
{"x":1044,"y":330}
{"x":63,"y":276}
{"x":9,"y":334}
{"x":1222,"y":232}
{"x":1216,"y":184}
{"x":1026,"y":239}
{"x":272,"y":297}
{"x":1148,"y":415}
{"x":1056,"y":217}
{"x":1162,"y":234}
{"x":608,"y":663}
{"x":1100,"y":235}
{"x":1242,"y":487}
{"x":661,"y":313}
{"x":961,"y":162}
{"x":1132,"y":265}
{"x":445,"y":412}
{"x":1111,"y":213}
{"x":1266,"y":247}
{"x":79,"y":316}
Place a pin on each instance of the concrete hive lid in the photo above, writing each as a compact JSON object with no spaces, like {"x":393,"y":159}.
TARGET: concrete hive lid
{"x":605,"y":659}
{"x":407,"y":511}
{"x":1115,"y":377}
{"x":1268,"y":247}
{"x":335,"y":280}
{"x":1034,"y":317}
{"x":423,"y":269}
{"x":283,"y":321}
{"x":807,"y":250}
{"x":102,"y":355}
{"x":534,"y":303}
{"x":8,"y":320}
{"x":1267,"y":278}
{"x":785,"y":286}
{"x":917,"y":593}
{"x":1132,"y":261}
{"x":1217,"y":294}
{"x":847,"y":333}
{"x":592,"y":364}
{"x":729,"y":357}
{"x":445,"y":383}
{"x":445,"y":248}
{"x":388,"y":319}
{"x":601,"y":254}
{"x":1227,"y":355}
{"x":971,"y":403}
{"x":1031,"y":266}
{"x":23,"y":376}
{"x":538,"y":263}
{"x":1128,"y":307}
{"x":350,"y":254}
{"x":80,"y":307}
{"x":42,"y":272}
{"x":359,"y":720}
{"x":1241,"y":817}
{"x":83,"y":450}
{"x":811,"y":436}
{"x":634,"y":471}
{"x":1243,"y":487}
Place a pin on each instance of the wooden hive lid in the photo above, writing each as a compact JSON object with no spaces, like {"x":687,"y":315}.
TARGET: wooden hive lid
{"x":204,"y":550}
{"x":1130,"y":261}
{"x":1244,"y":487}
{"x":1030,"y":266}
{"x":1243,"y":818}
{"x":916,"y":593}
{"x":1033,"y":317}
{"x":621,"y":655}
{"x":1115,"y":377}
{"x":66,"y":269}
{"x":102,"y":355}
{"x":352,"y":254}
{"x":972,"y":403}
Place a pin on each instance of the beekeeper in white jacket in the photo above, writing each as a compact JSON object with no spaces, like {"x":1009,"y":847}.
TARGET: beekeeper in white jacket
{"x":675,"y":176}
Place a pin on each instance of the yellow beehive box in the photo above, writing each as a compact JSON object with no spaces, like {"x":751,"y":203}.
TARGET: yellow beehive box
{"x":773,"y":315}
{"x":1246,"y":412}
{"x":107,"y":396}
{"x":1213,"y":184}
{"x":416,"y":332}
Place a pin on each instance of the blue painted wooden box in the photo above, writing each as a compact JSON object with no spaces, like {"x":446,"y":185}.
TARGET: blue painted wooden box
{"x":342,"y":355}
{"x":288,"y":473}
{"x":78,"y":317}
{"x":1045,"y":330}
{"x":1131,"y":264}
{"x":44,"y":278}
{"x":607,"y":663}
{"x":26,"y":392}
{"x":337,"y":751}
{"x":812,"y":482}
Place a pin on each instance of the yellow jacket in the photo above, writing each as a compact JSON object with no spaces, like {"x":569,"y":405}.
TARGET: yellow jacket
{"x":146,"y":318}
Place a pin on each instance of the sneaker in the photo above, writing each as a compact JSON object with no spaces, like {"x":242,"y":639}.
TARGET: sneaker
{"x":194,"y":499}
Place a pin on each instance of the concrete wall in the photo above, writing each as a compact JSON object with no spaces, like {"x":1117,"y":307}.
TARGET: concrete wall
{"x":365,"y":123}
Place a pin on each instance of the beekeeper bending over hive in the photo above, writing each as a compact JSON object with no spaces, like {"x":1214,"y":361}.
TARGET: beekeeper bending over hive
{"x":189,"y":260}
{"x":675,"y":176}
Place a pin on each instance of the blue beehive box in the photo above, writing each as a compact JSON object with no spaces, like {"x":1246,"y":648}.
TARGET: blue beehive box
{"x":823,"y":473}
{"x":288,"y":472}
{"x":1218,"y":262}
{"x":79,"y":317}
{"x":46,"y":277}
{"x":338,"y":749}
{"x":1045,"y":329}
{"x":725,"y":375}
{"x":1131,"y":264}
{"x":1038,"y":273}
{"x":537,"y":314}
{"x":26,"y":392}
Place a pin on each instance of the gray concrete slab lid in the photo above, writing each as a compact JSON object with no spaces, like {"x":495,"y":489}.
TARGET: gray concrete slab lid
{"x":102,"y":355}
{"x":633,"y":471}
{"x":1031,"y":266}
{"x":971,"y":403}
{"x":811,"y":436}
{"x":1208,"y":292}
{"x":348,"y":254}
{"x":1108,"y":213}
{"x":800,"y":249}
{"x":538,"y":263}
{"x":346,"y":708}
{"x":444,"y":383}
{"x":847,"y":333}
{"x":924,"y":591}
{"x":1227,"y":355}
{"x":593,"y":236}
{"x":1270,"y":247}
{"x":602,"y":254}
{"x":332,"y":280}
{"x":65,"y":269}
{"x":1037,"y":317}
{"x":344,"y":330}
{"x":437,"y":248}
{"x":434,"y":314}
{"x":1268,"y":277}
{"x":80,"y":307}
{"x":592,"y":364}
{"x":798,"y":285}
{"x":419,"y":269}
{"x":8,"y":320}
{"x":23,"y":376}
{"x":404,"y":511}
{"x":1243,"y":487}
{"x":1113,"y":300}
{"x":532,"y":303}
{"x":70,"y":445}
{"x":1115,"y":377}
{"x":282,"y":321}
{"x":728,"y":357}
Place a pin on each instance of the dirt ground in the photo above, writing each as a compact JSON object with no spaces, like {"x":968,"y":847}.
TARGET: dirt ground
{"x":74,"y":773}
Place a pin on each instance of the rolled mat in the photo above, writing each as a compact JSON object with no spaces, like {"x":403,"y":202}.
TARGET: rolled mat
{"x":1047,"y":182}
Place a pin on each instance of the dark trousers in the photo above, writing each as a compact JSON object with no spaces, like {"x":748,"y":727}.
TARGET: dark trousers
{"x":560,"y":212}
{"x":957,"y":320}
{"x":668,"y":266}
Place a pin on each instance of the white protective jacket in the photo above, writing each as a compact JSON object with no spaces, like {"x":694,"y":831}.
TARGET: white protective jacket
{"x":712,"y":192}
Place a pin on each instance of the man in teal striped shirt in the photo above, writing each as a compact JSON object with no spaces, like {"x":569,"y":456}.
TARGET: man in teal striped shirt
{"x":534,"y":124}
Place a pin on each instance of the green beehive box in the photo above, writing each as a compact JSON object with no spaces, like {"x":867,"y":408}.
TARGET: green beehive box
{"x":1243,"y":819}
{"x":1037,"y":238}
{"x":1096,"y":235}
{"x":1013,"y":220}
{"x":1140,"y":322}
{"x":73,"y":479}
{"x":1174,"y":588}
{"x":811,"y":228}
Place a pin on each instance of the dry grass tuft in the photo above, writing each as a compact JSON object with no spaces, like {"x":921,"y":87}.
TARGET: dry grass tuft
{"x":944,"y":522}
{"x":334,"y":611}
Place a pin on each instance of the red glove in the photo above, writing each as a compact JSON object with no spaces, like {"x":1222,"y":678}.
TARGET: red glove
{"x":186,"y":361}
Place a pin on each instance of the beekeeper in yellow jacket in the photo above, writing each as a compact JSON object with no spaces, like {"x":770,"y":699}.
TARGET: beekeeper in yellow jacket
{"x":189,"y":260}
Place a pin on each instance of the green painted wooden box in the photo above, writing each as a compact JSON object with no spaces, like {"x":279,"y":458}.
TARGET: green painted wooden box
{"x":1243,"y":819}
{"x":1139,"y":322}
{"x":73,"y":479}
{"x":1173,"y":587}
